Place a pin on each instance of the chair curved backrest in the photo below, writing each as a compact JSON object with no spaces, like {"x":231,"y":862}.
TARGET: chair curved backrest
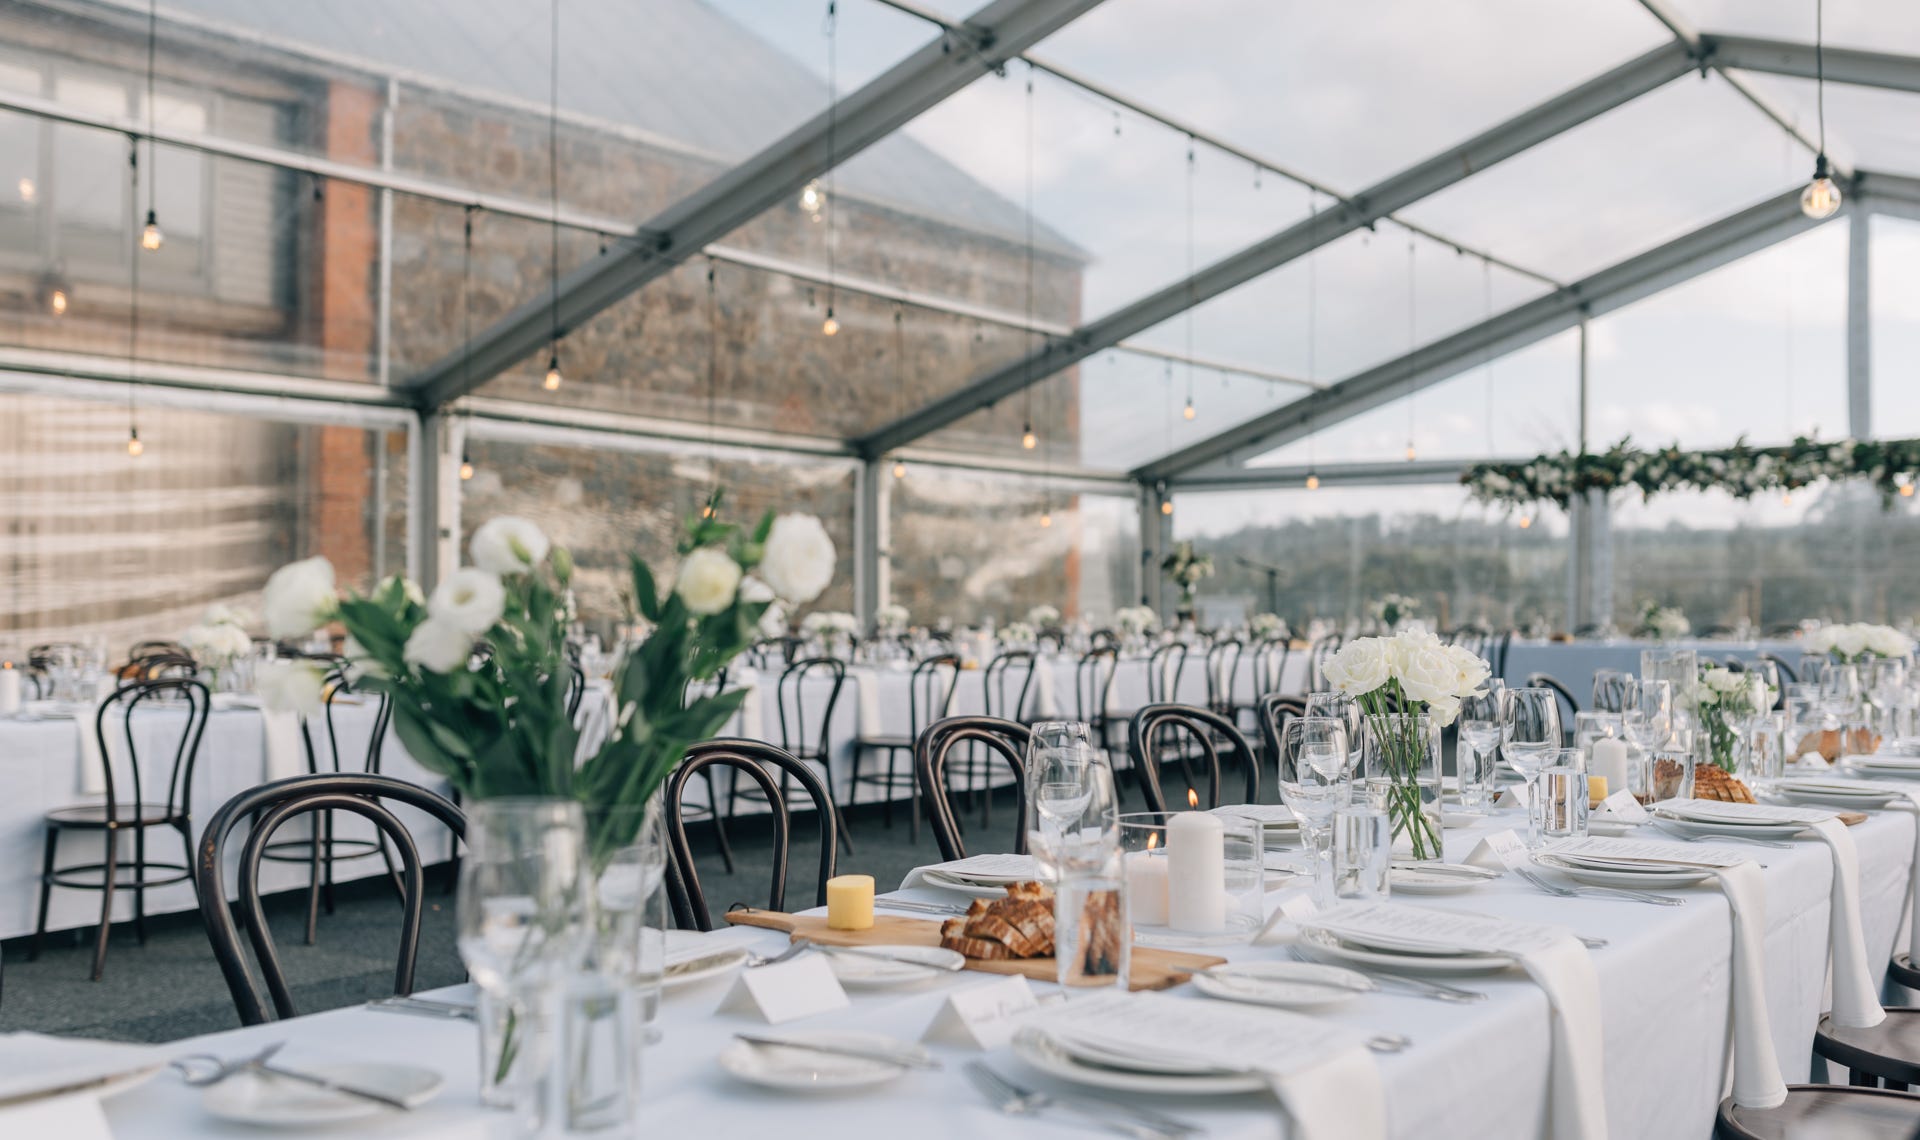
{"x":274,"y":804}
{"x":339,"y":685}
{"x":577,"y":686}
{"x":1787,"y":674}
{"x":1317,"y":657}
{"x":1270,"y":666}
{"x":142,"y":650}
{"x":1273,"y":712}
{"x":1562,"y":695}
{"x":753,"y":757}
{"x":1103,"y":638}
{"x":787,"y":693}
{"x":1223,"y":670}
{"x":1205,"y":733}
{"x":134,"y":698}
{"x":930,"y":690}
{"x":1093,"y":683}
{"x":933,"y":748}
{"x":1015,"y":665}
{"x":1163,"y":672}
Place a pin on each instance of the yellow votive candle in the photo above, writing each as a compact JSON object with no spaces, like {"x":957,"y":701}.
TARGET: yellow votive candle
{"x":1596,"y":789}
{"x":850,"y":902}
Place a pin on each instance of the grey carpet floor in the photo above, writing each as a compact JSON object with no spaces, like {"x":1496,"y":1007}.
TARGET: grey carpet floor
{"x":170,"y":987}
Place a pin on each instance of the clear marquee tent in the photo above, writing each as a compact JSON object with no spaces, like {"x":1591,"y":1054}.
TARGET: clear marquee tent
{"x":1101,"y":275}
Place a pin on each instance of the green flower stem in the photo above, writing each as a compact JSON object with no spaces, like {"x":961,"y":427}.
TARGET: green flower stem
{"x":1402,"y":747}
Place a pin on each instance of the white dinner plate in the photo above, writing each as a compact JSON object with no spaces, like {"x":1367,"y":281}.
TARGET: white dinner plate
{"x":687,"y":965}
{"x":1615,"y":877}
{"x":1325,"y":947}
{"x":804,"y":1070}
{"x":1872,"y":766}
{"x":1415,"y":881}
{"x":262,"y":1099}
{"x":1288,"y":985}
{"x":1611,"y":828}
{"x":1829,"y":794}
{"x":879,"y":967}
{"x":1754,"y":830}
{"x":1046,"y":1055}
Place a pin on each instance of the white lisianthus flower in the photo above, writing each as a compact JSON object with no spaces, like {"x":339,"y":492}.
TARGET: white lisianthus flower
{"x":773,"y":623}
{"x":798,"y":558}
{"x":290,"y":686}
{"x":409,"y":588}
{"x":707,"y":581}
{"x":753,"y":591}
{"x":1360,"y":666}
{"x":1850,"y":641}
{"x":359,"y":663}
{"x":300,"y":598}
{"x":469,"y":599}
{"x":219,"y":614}
{"x":508,"y":545}
{"x":439,"y":646}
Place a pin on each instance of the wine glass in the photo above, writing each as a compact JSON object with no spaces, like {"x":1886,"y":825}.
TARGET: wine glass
{"x":1610,"y":689}
{"x":1348,"y":712}
{"x":524,"y":912}
{"x":1069,"y":791}
{"x":1529,"y":736}
{"x":1479,"y":735}
{"x":1316,"y":777}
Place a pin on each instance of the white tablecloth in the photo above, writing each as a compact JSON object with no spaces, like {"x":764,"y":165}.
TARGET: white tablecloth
{"x":1472,"y":1071}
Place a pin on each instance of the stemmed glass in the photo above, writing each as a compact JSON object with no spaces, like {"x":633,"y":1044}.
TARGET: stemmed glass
{"x":1479,"y":736}
{"x":1610,"y":689}
{"x":1070,"y":795}
{"x":1529,"y":736}
{"x":1348,"y":712}
{"x":1647,"y":714}
{"x":524,"y":912}
{"x":1316,"y":778}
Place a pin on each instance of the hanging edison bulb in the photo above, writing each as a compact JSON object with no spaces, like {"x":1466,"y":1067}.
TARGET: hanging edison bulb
{"x":1188,"y":412}
{"x":1046,"y":519}
{"x":466,"y":467}
{"x":551,"y":382}
{"x":57,"y":301}
{"x":28,"y":191}
{"x":1821,"y":198}
{"x":1410,"y":451}
{"x":1313,"y":481}
{"x":150,"y":237}
{"x":134,"y":446}
{"x":813,"y":200}
{"x":1526,"y":521}
{"x":1906,"y":490}
{"x":1166,"y":506}
{"x":829,"y":327}
{"x":899,"y":469}
{"x":1028,"y":440}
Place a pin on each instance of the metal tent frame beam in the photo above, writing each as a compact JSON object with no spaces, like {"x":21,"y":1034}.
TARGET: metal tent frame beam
{"x":1642,"y":275}
{"x":1552,"y":117}
{"x":1796,"y":60}
{"x":1378,"y":474}
{"x":985,"y":42}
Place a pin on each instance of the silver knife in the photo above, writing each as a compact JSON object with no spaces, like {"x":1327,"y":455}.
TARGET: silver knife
{"x":905,"y":1060}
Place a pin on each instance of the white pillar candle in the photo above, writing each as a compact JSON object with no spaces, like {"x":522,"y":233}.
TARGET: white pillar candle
{"x":9,"y":690}
{"x":1196,"y":873}
{"x":1147,"y":888}
{"x":1610,"y":761}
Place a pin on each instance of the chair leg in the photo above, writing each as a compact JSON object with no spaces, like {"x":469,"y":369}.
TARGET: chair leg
{"x":913,"y":798}
{"x":140,"y":885}
{"x":1861,"y":1079}
{"x":46,"y":894}
{"x":106,"y":903}
{"x":326,"y":858}
{"x":313,"y":878}
{"x":393,"y":872}
{"x":719,"y":825}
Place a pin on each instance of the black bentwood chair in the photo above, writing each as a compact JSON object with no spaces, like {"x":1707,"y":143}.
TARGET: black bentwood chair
{"x":1196,"y":734}
{"x":270,"y":806}
{"x":790,"y":708}
{"x":137,"y":703}
{"x":1829,"y":1112}
{"x":758,"y":760}
{"x":1275,"y":711}
{"x":933,"y":752}
{"x":929,"y":697}
{"x":1093,"y":695}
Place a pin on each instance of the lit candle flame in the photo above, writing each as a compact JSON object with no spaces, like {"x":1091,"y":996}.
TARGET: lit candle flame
{"x":1153,"y":840}
{"x":1193,"y":798}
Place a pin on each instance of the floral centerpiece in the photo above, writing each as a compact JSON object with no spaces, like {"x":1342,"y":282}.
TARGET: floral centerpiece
{"x":1392,"y":610}
{"x":1662,"y":623}
{"x":1859,"y":642}
{"x":891,"y":619}
{"x":1186,"y":568}
{"x":1408,"y":687}
{"x":1726,"y":700}
{"x":1135,"y":621}
{"x":1043,"y":617}
{"x":834,"y":629}
{"x":1267,"y":627}
{"x":478,"y":672}
{"x":1018,"y":633}
{"x":219,"y":641}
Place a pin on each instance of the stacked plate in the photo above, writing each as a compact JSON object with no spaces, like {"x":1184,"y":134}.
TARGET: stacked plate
{"x":979,"y":883}
{"x":1287,"y":985}
{"x":1429,"y":878}
{"x":1832,"y":793}
{"x":1400,"y":957}
{"x":1883,"y":763}
{"x":1610,"y":871}
{"x":1129,"y":1067}
{"x":1696,"y":817}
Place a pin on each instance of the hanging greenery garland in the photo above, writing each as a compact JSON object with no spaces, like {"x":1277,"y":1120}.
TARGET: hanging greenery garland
{"x":1740,"y":470}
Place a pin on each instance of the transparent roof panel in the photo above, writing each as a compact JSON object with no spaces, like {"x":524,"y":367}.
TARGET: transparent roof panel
{"x":1366,"y":90}
{"x":1645,"y":173}
{"x":1895,"y":292}
{"x":1878,"y":25}
{"x":1867,"y":127}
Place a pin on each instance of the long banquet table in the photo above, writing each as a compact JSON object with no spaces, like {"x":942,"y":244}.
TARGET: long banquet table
{"x":1479,"y":1070}
{"x":1574,"y":663}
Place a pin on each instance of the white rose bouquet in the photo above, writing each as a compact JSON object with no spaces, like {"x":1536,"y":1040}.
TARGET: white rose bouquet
{"x":497,"y":723}
{"x":1267,"y":626}
{"x":1186,"y":568}
{"x":1662,"y":623}
{"x":1408,"y":687}
{"x":1044,"y":617}
{"x":892,"y":619}
{"x":219,"y":639}
{"x":1018,"y":633}
{"x":1858,"y":641}
{"x":827,"y":623}
{"x":1135,"y":621}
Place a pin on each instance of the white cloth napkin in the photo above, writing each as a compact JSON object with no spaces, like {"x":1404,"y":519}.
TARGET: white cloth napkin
{"x":1854,"y":1003}
{"x":1045,"y":705}
{"x":1907,"y":799}
{"x":284,"y":755}
{"x":1552,"y":957}
{"x":1015,"y":867}
{"x":1323,"y":1075}
{"x":868,"y":684}
{"x":1756,"y":1068}
{"x":34,"y":1063}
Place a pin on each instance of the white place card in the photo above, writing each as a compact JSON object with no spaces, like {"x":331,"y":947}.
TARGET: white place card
{"x":68,"y":1117}
{"x":982,"y":1016}
{"x":786,"y":991}
{"x":1518,"y":796}
{"x":1623,"y":807}
{"x":1501,"y":851}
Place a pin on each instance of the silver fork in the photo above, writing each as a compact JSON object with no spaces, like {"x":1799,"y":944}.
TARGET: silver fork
{"x":1140,"y":1123}
{"x":1597,"y":892}
{"x":1419,"y":987}
{"x":1779,"y":843}
{"x":790,"y":952}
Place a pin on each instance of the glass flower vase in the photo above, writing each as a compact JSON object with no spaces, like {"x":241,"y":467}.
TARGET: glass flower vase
{"x":1402,"y":771}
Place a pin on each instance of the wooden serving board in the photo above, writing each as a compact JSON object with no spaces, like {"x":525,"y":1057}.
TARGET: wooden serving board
{"x":1151,"y":968}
